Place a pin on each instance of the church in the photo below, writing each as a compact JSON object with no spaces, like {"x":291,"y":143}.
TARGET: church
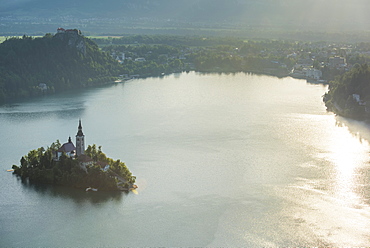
{"x":70,"y":149}
{"x":78,"y":151}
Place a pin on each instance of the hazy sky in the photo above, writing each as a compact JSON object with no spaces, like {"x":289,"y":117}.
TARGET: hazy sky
{"x":315,"y":14}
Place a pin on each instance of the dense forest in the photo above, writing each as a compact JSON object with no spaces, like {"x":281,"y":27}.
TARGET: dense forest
{"x":40,"y":166}
{"x":349,"y":94}
{"x":33,"y":66}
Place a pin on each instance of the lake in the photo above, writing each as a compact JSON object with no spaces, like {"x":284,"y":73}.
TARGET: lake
{"x":220,"y":159}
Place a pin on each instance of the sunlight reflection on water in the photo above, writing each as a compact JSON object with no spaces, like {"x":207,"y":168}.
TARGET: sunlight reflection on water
{"x":342,"y":152}
{"x":347,"y":154}
{"x":329,"y":200}
{"x":239,"y":160}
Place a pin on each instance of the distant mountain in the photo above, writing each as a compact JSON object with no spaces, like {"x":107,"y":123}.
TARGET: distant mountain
{"x":116,"y":15}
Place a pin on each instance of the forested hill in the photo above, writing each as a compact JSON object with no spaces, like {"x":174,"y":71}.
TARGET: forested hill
{"x":349,"y":95}
{"x":33,"y":66}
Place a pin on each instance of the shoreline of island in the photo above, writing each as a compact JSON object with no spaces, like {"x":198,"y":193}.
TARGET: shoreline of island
{"x":76,"y":167}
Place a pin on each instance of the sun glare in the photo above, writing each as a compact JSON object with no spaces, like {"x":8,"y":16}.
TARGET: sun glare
{"x":347,"y":153}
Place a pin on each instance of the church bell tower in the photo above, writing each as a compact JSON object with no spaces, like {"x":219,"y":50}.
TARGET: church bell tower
{"x":80,"y":141}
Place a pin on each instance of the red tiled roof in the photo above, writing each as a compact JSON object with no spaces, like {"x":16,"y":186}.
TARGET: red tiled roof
{"x":84,"y":158}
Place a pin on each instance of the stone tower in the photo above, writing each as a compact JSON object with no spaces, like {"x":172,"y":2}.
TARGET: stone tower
{"x":80,"y":141}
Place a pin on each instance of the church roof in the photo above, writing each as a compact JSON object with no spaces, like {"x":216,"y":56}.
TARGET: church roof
{"x":67,"y":147}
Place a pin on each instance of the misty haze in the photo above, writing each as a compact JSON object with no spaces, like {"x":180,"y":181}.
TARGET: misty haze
{"x":200,"y":123}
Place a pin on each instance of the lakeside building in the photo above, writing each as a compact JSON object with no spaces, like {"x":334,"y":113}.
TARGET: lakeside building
{"x":312,"y":73}
{"x":78,"y":152}
{"x":80,"y":141}
{"x":70,"y":149}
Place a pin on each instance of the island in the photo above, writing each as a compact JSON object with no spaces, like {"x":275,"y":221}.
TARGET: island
{"x":73,"y":166}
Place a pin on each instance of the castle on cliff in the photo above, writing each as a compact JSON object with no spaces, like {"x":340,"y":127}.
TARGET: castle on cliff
{"x":73,"y":38}
{"x":62,"y":30}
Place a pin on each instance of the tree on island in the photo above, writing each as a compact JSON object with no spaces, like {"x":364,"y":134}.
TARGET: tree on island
{"x":41,"y":166}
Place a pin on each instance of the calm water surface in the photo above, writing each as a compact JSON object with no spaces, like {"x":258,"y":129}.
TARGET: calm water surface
{"x":220,"y":160}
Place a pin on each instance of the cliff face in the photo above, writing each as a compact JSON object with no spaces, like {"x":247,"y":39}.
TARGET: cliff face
{"x":73,"y":39}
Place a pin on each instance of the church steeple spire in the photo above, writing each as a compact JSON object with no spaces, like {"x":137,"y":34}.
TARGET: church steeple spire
{"x":80,"y":133}
{"x":80,"y":140}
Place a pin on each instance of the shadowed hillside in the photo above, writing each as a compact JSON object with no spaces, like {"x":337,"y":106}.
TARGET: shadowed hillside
{"x":35,"y":66}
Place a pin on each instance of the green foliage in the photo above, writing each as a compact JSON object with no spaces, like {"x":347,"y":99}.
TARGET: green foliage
{"x":40,"y":166}
{"x":167,"y":54}
{"x":116,"y":167}
{"x":340,"y":95}
{"x":27,"y":62}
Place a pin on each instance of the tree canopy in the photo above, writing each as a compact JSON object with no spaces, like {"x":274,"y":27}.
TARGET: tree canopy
{"x":27,"y":62}
{"x":40,"y":166}
{"x":341,"y":97}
